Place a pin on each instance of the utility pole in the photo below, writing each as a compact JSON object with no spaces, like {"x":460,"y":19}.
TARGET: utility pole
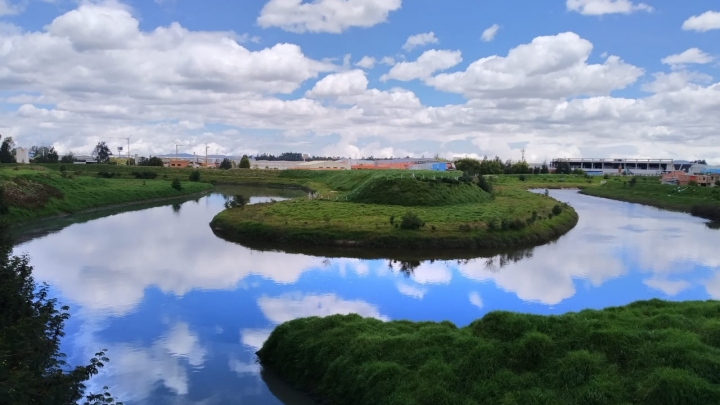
{"x":206,"y":149}
{"x":177,"y":156}
{"x":128,"y":149}
{"x":523,"y":154}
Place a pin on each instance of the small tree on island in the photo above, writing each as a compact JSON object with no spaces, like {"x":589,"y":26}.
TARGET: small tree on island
{"x":195,"y":175}
{"x":244,"y":162}
{"x":411,"y":221}
{"x":226,"y":164}
{"x":176,"y":185}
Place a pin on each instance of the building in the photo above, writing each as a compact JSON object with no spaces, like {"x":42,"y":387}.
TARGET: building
{"x":22,"y":155}
{"x":434,"y":166}
{"x":632,"y":167}
{"x":324,"y":165}
{"x":177,"y":163}
{"x":682,"y":178}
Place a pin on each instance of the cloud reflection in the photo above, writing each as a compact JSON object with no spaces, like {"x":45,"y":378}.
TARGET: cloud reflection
{"x":296,"y":305}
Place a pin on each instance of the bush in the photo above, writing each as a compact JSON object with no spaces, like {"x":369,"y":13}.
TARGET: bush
{"x":484,"y":184}
{"x":411,"y":221}
{"x":176,"y":185}
{"x":145,"y":175}
{"x":557,"y":209}
{"x":717,"y":183}
{"x":392,"y":220}
{"x":465,"y":228}
{"x":493,"y":224}
{"x":244,"y":162}
{"x":606,"y":176}
{"x":195,"y":175}
{"x":522,"y":177}
{"x":633,"y":182}
{"x":107,"y":175}
{"x":62,"y":168}
{"x":226,"y":164}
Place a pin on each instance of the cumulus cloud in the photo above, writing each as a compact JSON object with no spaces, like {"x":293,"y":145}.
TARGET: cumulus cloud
{"x":476,"y":300}
{"x":692,"y":55}
{"x":349,"y":83}
{"x":601,"y":7}
{"x":419,"y":40}
{"x":489,"y":34}
{"x":8,"y":8}
{"x":709,"y":20}
{"x":292,"y":306}
{"x":412,"y":291}
{"x":428,"y":63}
{"x":333,"y":16}
{"x":367,"y":62}
{"x":548,"y":67}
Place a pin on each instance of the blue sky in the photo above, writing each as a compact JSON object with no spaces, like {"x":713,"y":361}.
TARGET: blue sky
{"x":592,"y":78}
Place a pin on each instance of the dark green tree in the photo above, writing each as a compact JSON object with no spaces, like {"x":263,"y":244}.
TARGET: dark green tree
{"x":411,"y":221}
{"x":6,"y":155}
{"x":102,"y":152}
{"x":195,"y":175}
{"x":244,"y":162}
{"x":469,"y":166}
{"x":69,"y":158}
{"x":176,"y":185}
{"x":484,"y":184}
{"x":32,"y":369}
{"x":562,"y":167}
{"x":153,"y":161}
{"x":44,"y":154}
{"x":226,"y":164}
{"x":544,"y":169}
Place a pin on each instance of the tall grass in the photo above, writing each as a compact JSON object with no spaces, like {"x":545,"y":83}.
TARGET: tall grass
{"x":646,"y":353}
{"x":411,"y":192}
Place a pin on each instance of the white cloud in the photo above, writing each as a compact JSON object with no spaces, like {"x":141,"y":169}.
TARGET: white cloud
{"x":293,"y":306}
{"x":419,"y":40}
{"x":476,"y":300}
{"x":709,"y":20}
{"x":254,"y":338}
{"x":387,"y":60}
{"x":489,"y":34}
{"x":692,"y":55}
{"x":366,"y":62}
{"x":669,"y":287}
{"x":333,"y":16}
{"x":428,"y":63}
{"x":548,"y":67}
{"x":8,"y":8}
{"x":349,"y":83}
{"x":601,"y":7}
{"x":712,"y":286}
{"x":412,"y":291}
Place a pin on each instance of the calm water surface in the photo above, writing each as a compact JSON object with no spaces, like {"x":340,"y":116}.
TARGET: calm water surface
{"x":182,"y":311}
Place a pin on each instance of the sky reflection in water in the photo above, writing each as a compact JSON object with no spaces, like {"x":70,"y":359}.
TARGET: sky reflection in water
{"x":182,"y":311}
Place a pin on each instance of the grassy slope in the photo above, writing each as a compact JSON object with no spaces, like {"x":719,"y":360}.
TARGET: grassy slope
{"x":330,"y":222}
{"x":650,"y":192}
{"x":410,"y":192}
{"x":650,"y":352}
{"x":87,"y":192}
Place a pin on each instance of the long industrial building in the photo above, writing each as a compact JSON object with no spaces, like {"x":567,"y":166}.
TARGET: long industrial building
{"x":640,"y":167}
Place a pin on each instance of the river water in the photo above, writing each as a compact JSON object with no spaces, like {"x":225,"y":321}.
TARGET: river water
{"x":182,"y":311}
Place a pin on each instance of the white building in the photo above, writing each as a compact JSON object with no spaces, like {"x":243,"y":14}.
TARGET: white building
{"x":287,"y":165}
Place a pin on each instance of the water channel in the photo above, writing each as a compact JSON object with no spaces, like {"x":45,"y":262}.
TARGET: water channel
{"x":182,"y":311}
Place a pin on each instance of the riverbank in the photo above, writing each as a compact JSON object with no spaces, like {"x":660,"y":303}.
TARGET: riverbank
{"x":512,"y":218}
{"x":649,"y":352}
{"x":689,"y":199}
{"x":34,"y":192}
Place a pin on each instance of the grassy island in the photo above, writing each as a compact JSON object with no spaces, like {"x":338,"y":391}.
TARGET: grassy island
{"x":699,"y":201}
{"x":400,"y":210}
{"x":33,"y":192}
{"x":650,"y":352}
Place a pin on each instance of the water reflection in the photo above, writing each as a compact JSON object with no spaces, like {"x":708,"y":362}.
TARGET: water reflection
{"x":182,"y":311}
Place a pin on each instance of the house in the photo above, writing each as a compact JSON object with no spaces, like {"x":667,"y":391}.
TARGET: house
{"x":177,"y":163}
{"x":681,"y":178}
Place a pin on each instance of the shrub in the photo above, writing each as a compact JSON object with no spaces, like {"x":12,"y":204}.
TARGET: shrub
{"x":505,"y":224}
{"x":195,"y":175}
{"x":244,"y":162}
{"x":432,"y":227}
{"x":411,"y":221}
{"x":517,"y":224}
{"x":145,"y":175}
{"x":392,"y":220}
{"x":62,"y":168}
{"x":107,"y":175}
{"x":493,"y":224}
{"x":176,"y":185}
{"x":226,"y":164}
{"x":717,"y":183}
{"x":633,"y":182}
{"x":484,"y":184}
{"x":606,"y":176}
{"x":557,"y":209}
{"x":465,"y":228}
{"x":522,"y":177}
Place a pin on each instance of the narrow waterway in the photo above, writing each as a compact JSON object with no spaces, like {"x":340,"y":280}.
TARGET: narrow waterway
{"x":182,"y":311}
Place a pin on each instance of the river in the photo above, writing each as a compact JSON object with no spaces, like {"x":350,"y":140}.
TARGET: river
{"x":182,"y":311}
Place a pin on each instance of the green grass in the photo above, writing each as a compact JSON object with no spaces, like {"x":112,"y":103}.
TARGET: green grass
{"x":649,"y":191}
{"x":410,"y":192}
{"x":327,"y":222}
{"x":645,"y":353}
{"x":34,"y":192}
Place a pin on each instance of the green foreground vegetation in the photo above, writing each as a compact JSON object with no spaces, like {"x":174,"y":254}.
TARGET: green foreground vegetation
{"x":650,"y":352}
{"x":34,"y":192}
{"x":700,"y":201}
{"x":394,"y":210}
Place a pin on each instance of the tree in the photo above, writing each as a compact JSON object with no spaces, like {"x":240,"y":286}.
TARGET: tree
{"x":153,"y":161}
{"x":236,"y":201}
{"x":245,"y":162}
{"x":411,"y":221}
{"x":536,"y":170}
{"x":195,"y":175}
{"x":44,"y":154}
{"x":6,"y":148}
{"x":102,"y":153}
{"x":484,"y":184}
{"x":226,"y":164}
{"x":469,"y":166}
{"x":562,"y":167}
{"x":32,"y":369}
{"x":176,"y":185}
{"x":69,"y":158}
{"x":544,"y":169}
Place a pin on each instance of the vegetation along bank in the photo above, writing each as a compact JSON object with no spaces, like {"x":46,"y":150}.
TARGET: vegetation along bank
{"x":34,"y":192}
{"x":650,"y":352}
{"x":703,"y":202}
{"x":400,"y":210}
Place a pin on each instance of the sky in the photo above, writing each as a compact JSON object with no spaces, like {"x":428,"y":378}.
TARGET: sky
{"x":359,"y":78}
